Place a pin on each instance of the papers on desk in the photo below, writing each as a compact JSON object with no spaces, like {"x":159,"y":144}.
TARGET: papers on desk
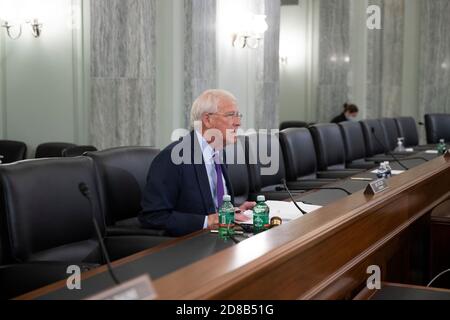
{"x":431,"y":152}
{"x":285,"y":210}
{"x":393,"y":172}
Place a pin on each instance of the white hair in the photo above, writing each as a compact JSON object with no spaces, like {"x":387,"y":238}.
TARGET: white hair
{"x":208,"y":102}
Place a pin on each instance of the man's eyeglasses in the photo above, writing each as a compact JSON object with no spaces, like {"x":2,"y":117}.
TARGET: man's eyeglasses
{"x":229,"y":114}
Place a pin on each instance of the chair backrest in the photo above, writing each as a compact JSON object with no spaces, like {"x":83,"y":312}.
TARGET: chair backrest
{"x":77,"y":151}
{"x":265,"y":161}
{"x":293,"y":124}
{"x":391,"y":132}
{"x":437,"y":127}
{"x":329,"y":146}
{"x":12,"y":151}
{"x":299,"y":153}
{"x":45,"y":216}
{"x":354,"y":143}
{"x":52,"y":149}
{"x":374,"y":145}
{"x":238,"y":171}
{"x":407,"y":128}
{"x":122,"y":175}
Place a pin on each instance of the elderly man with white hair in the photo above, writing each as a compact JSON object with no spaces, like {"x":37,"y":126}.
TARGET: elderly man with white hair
{"x":188,"y":179}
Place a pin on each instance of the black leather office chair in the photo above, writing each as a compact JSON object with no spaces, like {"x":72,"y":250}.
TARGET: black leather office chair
{"x":12,"y":151}
{"x":122,"y":175}
{"x":330,"y":151}
{"x":77,"y":151}
{"x":48,"y":219}
{"x":300,"y":159}
{"x":355,"y":150}
{"x":375,"y":148}
{"x":265,"y":167}
{"x":391,"y":132}
{"x":238,"y":171}
{"x":407,"y":128}
{"x":293,"y":124}
{"x":437,"y":127}
{"x":18,"y":279}
{"x":52,"y":149}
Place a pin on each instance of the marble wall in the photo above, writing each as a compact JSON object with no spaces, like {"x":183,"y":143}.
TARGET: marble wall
{"x":334,"y":55}
{"x":123,"y":73}
{"x":200,"y":71}
{"x":268,"y":72}
{"x":384,"y":61}
{"x":434,"y":79}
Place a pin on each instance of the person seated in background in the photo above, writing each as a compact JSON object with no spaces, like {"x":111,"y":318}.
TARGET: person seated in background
{"x":349,"y":114}
{"x":188,"y":179}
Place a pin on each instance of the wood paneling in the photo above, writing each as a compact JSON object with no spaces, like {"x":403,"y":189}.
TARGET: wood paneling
{"x":324,"y":254}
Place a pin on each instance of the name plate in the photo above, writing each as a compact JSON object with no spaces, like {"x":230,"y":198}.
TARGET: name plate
{"x":136,"y":289}
{"x":376,"y":187}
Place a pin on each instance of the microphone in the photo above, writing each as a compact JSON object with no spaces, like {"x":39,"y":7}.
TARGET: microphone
{"x":84,"y":189}
{"x":292,"y":197}
{"x":388,"y":151}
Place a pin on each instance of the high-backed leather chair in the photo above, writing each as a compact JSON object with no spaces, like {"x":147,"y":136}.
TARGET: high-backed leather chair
{"x":52,"y":149}
{"x":48,"y":219}
{"x":266,"y":168}
{"x":375,"y":138}
{"x":20,"y":278}
{"x":407,"y":128}
{"x":77,"y":151}
{"x":12,"y":151}
{"x":293,"y":124}
{"x":355,"y":150}
{"x":330,"y":152}
{"x":300,"y":159}
{"x":437,"y":127}
{"x":391,"y":132}
{"x":122,"y":175}
{"x":238,"y":171}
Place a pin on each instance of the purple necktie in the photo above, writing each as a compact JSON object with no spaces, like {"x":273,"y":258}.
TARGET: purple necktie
{"x":219,"y":187}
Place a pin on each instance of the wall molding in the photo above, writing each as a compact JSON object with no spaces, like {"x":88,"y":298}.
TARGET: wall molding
{"x":3,"y":114}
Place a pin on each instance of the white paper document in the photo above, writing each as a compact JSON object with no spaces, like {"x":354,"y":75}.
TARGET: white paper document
{"x":287,"y":211}
{"x":431,"y":152}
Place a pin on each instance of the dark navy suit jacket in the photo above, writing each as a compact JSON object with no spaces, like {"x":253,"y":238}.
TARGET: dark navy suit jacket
{"x":177,"y":197}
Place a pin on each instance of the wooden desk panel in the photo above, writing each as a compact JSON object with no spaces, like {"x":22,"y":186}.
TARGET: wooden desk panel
{"x":322,"y":254}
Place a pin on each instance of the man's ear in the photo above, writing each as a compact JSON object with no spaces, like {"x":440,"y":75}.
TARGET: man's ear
{"x":207,"y":120}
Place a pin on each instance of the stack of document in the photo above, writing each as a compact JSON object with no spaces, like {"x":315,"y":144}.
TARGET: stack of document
{"x":287,"y":211}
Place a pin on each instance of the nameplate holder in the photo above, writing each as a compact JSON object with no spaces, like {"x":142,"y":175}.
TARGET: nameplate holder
{"x":447,"y":155}
{"x":140,"y":288}
{"x":376,"y":187}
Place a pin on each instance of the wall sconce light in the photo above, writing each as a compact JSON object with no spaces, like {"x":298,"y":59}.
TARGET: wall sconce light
{"x":251,"y":31}
{"x":36,"y":29}
{"x":14,"y":13}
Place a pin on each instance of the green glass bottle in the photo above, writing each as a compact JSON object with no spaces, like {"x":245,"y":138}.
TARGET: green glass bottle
{"x":261,"y":215}
{"x":226,"y":218}
{"x":442,"y":147}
